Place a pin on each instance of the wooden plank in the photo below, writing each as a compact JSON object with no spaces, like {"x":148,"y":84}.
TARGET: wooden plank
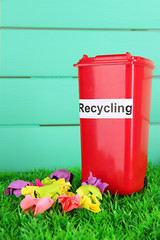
{"x":51,"y":147}
{"x":39,"y":101}
{"x":81,"y":14}
{"x":153,"y":149}
{"x":50,"y":101}
{"x":53,"y":52}
{"x":155,"y":102}
{"x":39,"y":147}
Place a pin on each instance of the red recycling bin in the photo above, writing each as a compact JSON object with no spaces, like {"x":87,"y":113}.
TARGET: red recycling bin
{"x":114,"y":105}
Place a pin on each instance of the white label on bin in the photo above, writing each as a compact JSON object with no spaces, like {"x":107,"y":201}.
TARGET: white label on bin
{"x":106,"y":108}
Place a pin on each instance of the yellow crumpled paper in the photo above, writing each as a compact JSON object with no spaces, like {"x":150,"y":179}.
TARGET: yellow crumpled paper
{"x":89,"y":197}
{"x":51,"y":188}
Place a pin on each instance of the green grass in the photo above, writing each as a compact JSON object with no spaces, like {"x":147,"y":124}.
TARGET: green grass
{"x":129,"y":217}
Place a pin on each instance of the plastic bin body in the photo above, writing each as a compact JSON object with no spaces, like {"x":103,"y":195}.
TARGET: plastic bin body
{"x":113,"y":148}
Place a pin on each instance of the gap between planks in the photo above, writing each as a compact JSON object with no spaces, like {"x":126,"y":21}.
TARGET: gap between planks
{"x":50,"y":125}
{"x":81,"y":29}
{"x":52,"y":77}
{"x":37,"y":125}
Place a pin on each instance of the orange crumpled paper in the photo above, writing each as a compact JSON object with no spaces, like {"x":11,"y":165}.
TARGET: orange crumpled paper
{"x":69,"y":203}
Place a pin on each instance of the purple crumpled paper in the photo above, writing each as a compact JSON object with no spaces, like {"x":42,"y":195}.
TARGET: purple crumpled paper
{"x":15,"y":187}
{"x":62,"y":173}
{"x":97,"y":182}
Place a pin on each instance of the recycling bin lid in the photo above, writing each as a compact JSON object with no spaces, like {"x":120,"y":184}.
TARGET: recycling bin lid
{"x":114,"y":59}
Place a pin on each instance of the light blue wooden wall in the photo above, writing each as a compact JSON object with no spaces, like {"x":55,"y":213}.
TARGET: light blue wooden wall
{"x":40,"y":41}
